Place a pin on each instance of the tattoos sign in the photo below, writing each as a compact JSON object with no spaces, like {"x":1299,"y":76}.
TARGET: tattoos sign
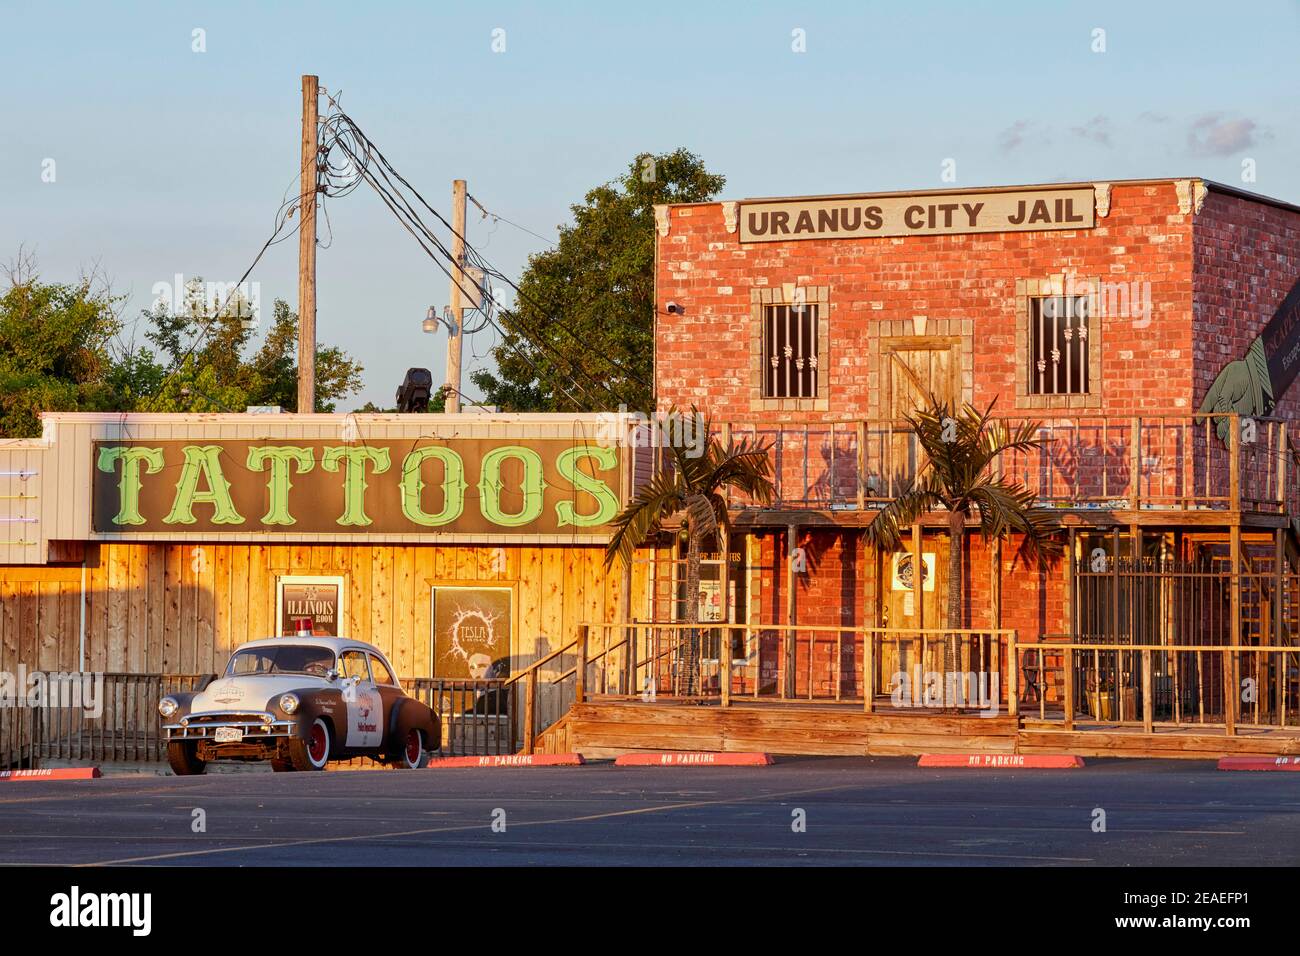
{"x":548,"y":486}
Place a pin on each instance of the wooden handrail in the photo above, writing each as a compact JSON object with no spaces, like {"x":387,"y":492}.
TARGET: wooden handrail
{"x":531,"y":668}
{"x":820,"y":628}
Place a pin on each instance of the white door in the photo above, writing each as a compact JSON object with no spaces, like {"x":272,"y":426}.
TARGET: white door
{"x":365,"y":708}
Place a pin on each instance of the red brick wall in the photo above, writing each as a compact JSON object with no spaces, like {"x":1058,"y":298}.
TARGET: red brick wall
{"x":838,"y":591}
{"x":1246,"y":258}
{"x":703,"y":357}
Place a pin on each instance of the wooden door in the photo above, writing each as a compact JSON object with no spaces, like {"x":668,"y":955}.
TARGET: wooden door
{"x":918,"y":370}
{"x":901,"y":607}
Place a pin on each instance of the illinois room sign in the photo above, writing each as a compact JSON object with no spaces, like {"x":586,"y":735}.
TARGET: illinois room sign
{"x":480,"y":486}
{"x":922,"y":215}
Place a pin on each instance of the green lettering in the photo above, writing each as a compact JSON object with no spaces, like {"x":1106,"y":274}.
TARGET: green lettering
{"x":203,"y":461}
{"x":606,"y":500}
{"x":453,"y":486}
{"x":533,"y":487}
{"x":354,"y":477}
{"x":278,"y":485}
{"x":128,"y":486}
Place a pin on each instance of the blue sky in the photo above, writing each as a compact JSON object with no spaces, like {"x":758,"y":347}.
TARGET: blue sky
{"x":171,"y":161}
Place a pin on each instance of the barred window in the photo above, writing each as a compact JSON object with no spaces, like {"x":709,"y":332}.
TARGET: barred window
{"x":790,"y":351}
{"x":1058,"y":345}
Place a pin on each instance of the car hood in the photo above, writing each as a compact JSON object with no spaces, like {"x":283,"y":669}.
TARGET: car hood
{"x":251,"y":693}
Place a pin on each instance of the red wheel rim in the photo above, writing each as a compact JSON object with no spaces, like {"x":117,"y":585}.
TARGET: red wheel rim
{"x":413,"y":747}
{"x":318,"y":745}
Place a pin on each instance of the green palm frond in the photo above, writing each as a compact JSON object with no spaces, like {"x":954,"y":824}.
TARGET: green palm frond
{"x":1007,"y":507}
{"x":693,"y":485}
{"x":660,"y":498}
{"x":885,"y":532}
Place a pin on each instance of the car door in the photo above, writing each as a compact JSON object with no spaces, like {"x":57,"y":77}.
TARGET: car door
{"x":365,"y":707}
{"x":390,"y":691}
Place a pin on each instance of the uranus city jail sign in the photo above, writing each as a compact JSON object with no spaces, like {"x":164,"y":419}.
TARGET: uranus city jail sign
{"x":389,"y":487}
{"x":860,"y":217}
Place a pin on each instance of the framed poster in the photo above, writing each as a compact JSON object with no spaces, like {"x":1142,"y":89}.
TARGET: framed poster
{"x":472,"y":631}
{"x":309,"y":603}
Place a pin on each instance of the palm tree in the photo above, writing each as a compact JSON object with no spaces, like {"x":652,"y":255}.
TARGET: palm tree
{"x":692,"y":483}
{"x":959,"y":477}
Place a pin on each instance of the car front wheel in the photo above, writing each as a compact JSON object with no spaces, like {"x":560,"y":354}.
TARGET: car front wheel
{"x":414,"y":756}
{"x":313,"y":753}
{"x":183,"y":758}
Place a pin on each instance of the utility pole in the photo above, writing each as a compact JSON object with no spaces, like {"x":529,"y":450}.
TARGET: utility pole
{"x":457,"y":304}
{"x":307,"y":248}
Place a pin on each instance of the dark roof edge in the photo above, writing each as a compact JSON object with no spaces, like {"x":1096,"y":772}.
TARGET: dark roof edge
{"x":1088,"y":184}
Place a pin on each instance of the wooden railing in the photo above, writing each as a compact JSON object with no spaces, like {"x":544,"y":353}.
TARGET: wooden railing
{"x":1081,"y":686}
{"x":777,"y":662}
{"x":1150,"y":686}
{"x":1187,"y":461}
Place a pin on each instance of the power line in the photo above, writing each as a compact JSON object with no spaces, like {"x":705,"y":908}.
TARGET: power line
{"x":496,"y":217}
{"x":476,"y":258}
{"x":282,"y":217}
{"x":411,"y":221}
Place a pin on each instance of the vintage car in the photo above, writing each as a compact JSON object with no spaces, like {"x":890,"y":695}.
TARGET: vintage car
{"x":299,"y":702}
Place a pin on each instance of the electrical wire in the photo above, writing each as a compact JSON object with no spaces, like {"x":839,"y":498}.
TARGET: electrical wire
{"x":340,"y":120}
{"x":282,"y":217}
{"x":496,"y":217}
{"x":353,"y":141}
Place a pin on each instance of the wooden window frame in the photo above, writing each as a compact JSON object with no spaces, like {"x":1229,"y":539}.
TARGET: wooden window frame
{"x":764,"y":296}
{"x":1026,"y":291}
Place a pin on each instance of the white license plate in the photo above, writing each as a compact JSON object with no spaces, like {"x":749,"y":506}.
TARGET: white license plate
{"x":228,"y":735}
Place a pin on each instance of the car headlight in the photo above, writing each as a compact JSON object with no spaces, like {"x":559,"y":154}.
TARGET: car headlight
{"x":168,"y":706}
{"x":289,"y":703}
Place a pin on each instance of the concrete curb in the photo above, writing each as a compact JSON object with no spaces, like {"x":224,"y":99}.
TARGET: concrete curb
{"x":1001,"y":761}
{"x":509,"y":760}
{"x":1260,"y":763}
{"x":672,"y":758}
{"x":54,"y":773}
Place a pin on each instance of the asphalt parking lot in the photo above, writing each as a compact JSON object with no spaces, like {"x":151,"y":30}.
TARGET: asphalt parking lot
{"x":802,"y":811}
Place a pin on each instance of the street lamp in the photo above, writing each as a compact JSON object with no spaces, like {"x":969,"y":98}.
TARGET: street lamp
{"x":432,"y":320}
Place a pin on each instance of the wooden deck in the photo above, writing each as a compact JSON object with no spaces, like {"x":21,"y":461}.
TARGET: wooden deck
{"x":606,"y":728}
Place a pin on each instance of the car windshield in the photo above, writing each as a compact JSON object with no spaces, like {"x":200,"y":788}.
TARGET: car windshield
{"x":281,"y":659}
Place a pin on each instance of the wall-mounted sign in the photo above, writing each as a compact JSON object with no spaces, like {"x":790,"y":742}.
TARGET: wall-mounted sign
{"x":549,"y":486}
{"x":923,"y":215}
{"x":311,"y":604}
{"x":471,"y":632}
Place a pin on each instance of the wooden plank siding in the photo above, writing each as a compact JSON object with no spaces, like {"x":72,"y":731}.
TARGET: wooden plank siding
{"x":182,"y":607}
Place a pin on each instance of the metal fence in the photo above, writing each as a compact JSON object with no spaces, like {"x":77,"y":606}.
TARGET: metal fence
{"x":476,"y":717}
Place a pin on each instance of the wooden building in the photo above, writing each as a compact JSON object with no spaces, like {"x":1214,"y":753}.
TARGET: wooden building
{"x":465,"y":546}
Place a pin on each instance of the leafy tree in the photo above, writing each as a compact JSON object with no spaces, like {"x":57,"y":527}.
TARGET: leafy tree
{"x":599,"y":282}
{"x":55,"y":350}
{"x":62,"y":348}
{"x":204,"y":347}
{"x":958,"y":477}
{"x":693,"y":486}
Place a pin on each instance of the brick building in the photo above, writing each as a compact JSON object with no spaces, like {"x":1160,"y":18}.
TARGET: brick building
{"x":1113,"y":313}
